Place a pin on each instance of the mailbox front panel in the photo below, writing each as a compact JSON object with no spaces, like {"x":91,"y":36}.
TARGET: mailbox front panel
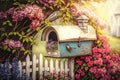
{"x":74,"y":50}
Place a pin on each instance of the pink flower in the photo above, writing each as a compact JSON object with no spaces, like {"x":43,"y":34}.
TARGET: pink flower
{"x":95,"y":49}
{"x":47,"y":3}
{"x":90,"y":63}
{"x":79,"y":62}
{"x":98,"y":62}
{"x":101,"y":50}
{"x":77,"y":76}
{"x":93,"y":69}
{"x":33,"y":12}
{"x":34,"y":24}
{"x":12,"y":43}
{"x":96,"y":55}
{"x":115,"y":57}
{"x":103,"y":39}
{"x":97,"y":76}
{"x":87,"y":59}
{"x":81,"y":72}
{"x":3,"y":15}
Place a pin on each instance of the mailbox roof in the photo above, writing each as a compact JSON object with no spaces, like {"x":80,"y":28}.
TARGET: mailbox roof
{"x":73,"y":33}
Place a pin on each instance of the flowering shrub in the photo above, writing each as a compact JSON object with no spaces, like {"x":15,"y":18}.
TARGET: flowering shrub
{"x":101,"y":65}
{"x":54,"y":76}
{"x":12,"y":43}
{"x":17,"y":27}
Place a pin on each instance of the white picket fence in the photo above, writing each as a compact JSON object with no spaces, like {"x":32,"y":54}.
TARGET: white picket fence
{"x":42,"y":64}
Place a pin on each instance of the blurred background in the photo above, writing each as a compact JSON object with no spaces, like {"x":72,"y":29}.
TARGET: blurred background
{"x":109,"y":12}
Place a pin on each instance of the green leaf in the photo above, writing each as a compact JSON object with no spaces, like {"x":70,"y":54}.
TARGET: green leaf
{"x":5,"y":47}
{"x":27,"y":52}
{"x":13,"y":51}
{"x":22,"y":49}
{"x":29,"y":30}
{"x":8,"y":49}
{"x":22,"y":33}
{"x":4,"y":23}
{"x":84,"y":65}
{"x":26,"y":39}
{"x":2,"y":29}
{"x":86,"y":68}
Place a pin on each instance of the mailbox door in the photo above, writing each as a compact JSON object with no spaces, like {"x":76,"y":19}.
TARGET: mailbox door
{"x":84,"y":49}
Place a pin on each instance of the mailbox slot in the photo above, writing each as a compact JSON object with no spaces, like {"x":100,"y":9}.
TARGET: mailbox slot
{"x":52,"y":36}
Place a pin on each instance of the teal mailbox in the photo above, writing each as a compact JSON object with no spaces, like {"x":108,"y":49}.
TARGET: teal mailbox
{"x":67,"y":40}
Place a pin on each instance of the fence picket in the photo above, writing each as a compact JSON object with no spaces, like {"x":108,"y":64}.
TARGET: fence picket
{"x":34,"y":67}
{"x":40,"y":65}
{"x":46,"y":65}
{"x":61,"y":65}
{"x":66,"y":66}
{"x":28,"y":65}
{"x":20,"y":67}
{"x":56,"y":65}
{"x":51,"y":66}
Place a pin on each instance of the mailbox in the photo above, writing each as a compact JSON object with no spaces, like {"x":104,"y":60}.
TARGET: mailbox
{"x":65,"y":41}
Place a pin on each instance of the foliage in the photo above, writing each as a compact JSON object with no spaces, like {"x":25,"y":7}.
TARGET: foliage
{"x":7,"y":73}
{"x":54,"y":76}
{"x":101,"y":65}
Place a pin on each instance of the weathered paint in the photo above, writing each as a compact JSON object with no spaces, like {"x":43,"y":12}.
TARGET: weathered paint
{"x":71,"y":35}
{"x":84,"y":49}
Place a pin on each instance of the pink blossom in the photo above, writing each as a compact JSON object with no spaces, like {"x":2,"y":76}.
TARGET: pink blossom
{"x":94,"y":49}
{"x":81,"y":72}
{"x":33,"y":12}
{"x":3,"y":15}
{"x":12,"y":43}
{"x":10,"y":11}
{"x":77,"y":76}
{"x":87,"y":59}
{"x":74,"y":11}
{"x":101,"y":50}
{"x":115,"y":57}
{"x":103,"y":39}
{"x":90,"y":63}
{"x":97,"y":55}
{"x":105,"y":77}
{"x":34,"y":24}
{"x":47,"y":3}
{"x":79,"y":62}
{"x":97,"y":76}
{"x":93,"y":69}
{"x":98,"y":62}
